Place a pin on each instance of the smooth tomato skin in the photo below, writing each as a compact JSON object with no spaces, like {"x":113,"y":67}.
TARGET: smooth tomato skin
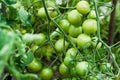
{"x":34,"y":66}
{"x":68,"y":61}
{"x":50,"y":3}
{"x":75,"y":31}
{"x":83,"y":7}
{"x":59,"y":45}
{"x":89,"y":26}
{"x":64,"y":70}
{"x":82,"y":68}
{"x":71,"y":52}
{"x":46,"y":73}
{"x":92,"y":78}
{"x":64,"y":24}
{"x":105,"y":67}
{"x":73,"y":72}
{"x":41,"y":13}
{"x":92,"y":14}
{"x":53,"y":14}
{"x":41,"y":40}
{"x":74,"y":17}
{"x":83,"y":41}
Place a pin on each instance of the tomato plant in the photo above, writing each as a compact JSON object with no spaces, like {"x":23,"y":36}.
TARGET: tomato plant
{"x":59,"y":39}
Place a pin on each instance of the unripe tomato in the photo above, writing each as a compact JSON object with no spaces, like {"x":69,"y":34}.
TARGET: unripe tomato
{"x":50,"y":3}
{"x":34,"y":66}
{"x":83,"y":7}
{"x":46,"y":74}
{"x":53,"y":14}
{"x":73,"y":72}
{"x":37,"y":3}
{"x":63,"y":69}
{"x":41,"y":12}
{"x":83,"y":41}
{"x":92,"y":14}
{"x":71,"y":52}
{"x":75,"y":31}
{"x":74,"y":17}
{"x":64,"y":24}
{"x":89,"y":26}
{"x":105,"y":67}
{"x":60,"y":46}
{"x":41,"y":39}
{"x":68,"y":61}
{"x":82,"y":68}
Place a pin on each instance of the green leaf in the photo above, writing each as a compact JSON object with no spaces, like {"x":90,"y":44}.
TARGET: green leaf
{"x":27,"y":58}
{"x":24,"y":16}
{"x":9,"y":2}
{"x":2,"y":20}
{"x":12,"y":14}
{"x":3,"y":39}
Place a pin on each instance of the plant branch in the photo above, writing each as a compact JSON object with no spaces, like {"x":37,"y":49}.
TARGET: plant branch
{"x":111,"y":24}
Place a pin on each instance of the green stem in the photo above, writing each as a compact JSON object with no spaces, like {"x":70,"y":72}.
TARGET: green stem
{"x":99,"y":38}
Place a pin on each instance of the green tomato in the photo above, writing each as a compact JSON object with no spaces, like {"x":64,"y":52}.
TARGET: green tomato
{"x":68,"y":61}
{"x":50,"y":3}
{"x":41,"y":13}
{"x":73,"y":72}
{"x":92,"y":14}
{"x":95,"y":44}
{"x":89,"y":26}
{"x":105,"y":67}
{"x":82,"y":68}
{"x":34,"y":66}
{"x":74,"y":17}
{"x":92,"y":78}
{"x":36,"y":38}
{"x":60,"y":46}
{"x":41,"y":40}
{"x":64,"y":24}
{"x":83,"y":41}
{"x":83,"y":7}
{"x":72,"y":52}
{"x":63,"y":69}
{"x":75,"y":31}
{"x":46,"y":74}
{"x":37,"y":3}
{"x":53,"y":14}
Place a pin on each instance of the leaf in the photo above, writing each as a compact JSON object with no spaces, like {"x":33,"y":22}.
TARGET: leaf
{"x":12,"y":13}
{"x":3,"y":39}
{"x":27,"y":58}
{"x":24,"y":16}
{"x":9,"y":2}
{"x":2,"y":20}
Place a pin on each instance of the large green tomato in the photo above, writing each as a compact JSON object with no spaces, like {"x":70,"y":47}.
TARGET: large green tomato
{"x":63,"y":69}
{"x":74,"y":17}
{"x":75,"y":31}
{"x":82,"y":68}
{"x":64,"y":24}
{"x":34,"y":66}
{"x":60,"y":45}
{"x":83,"y":41}
{"x":83,"y":7}
{"x":46,"y":74}
{"x":89,"y":26}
